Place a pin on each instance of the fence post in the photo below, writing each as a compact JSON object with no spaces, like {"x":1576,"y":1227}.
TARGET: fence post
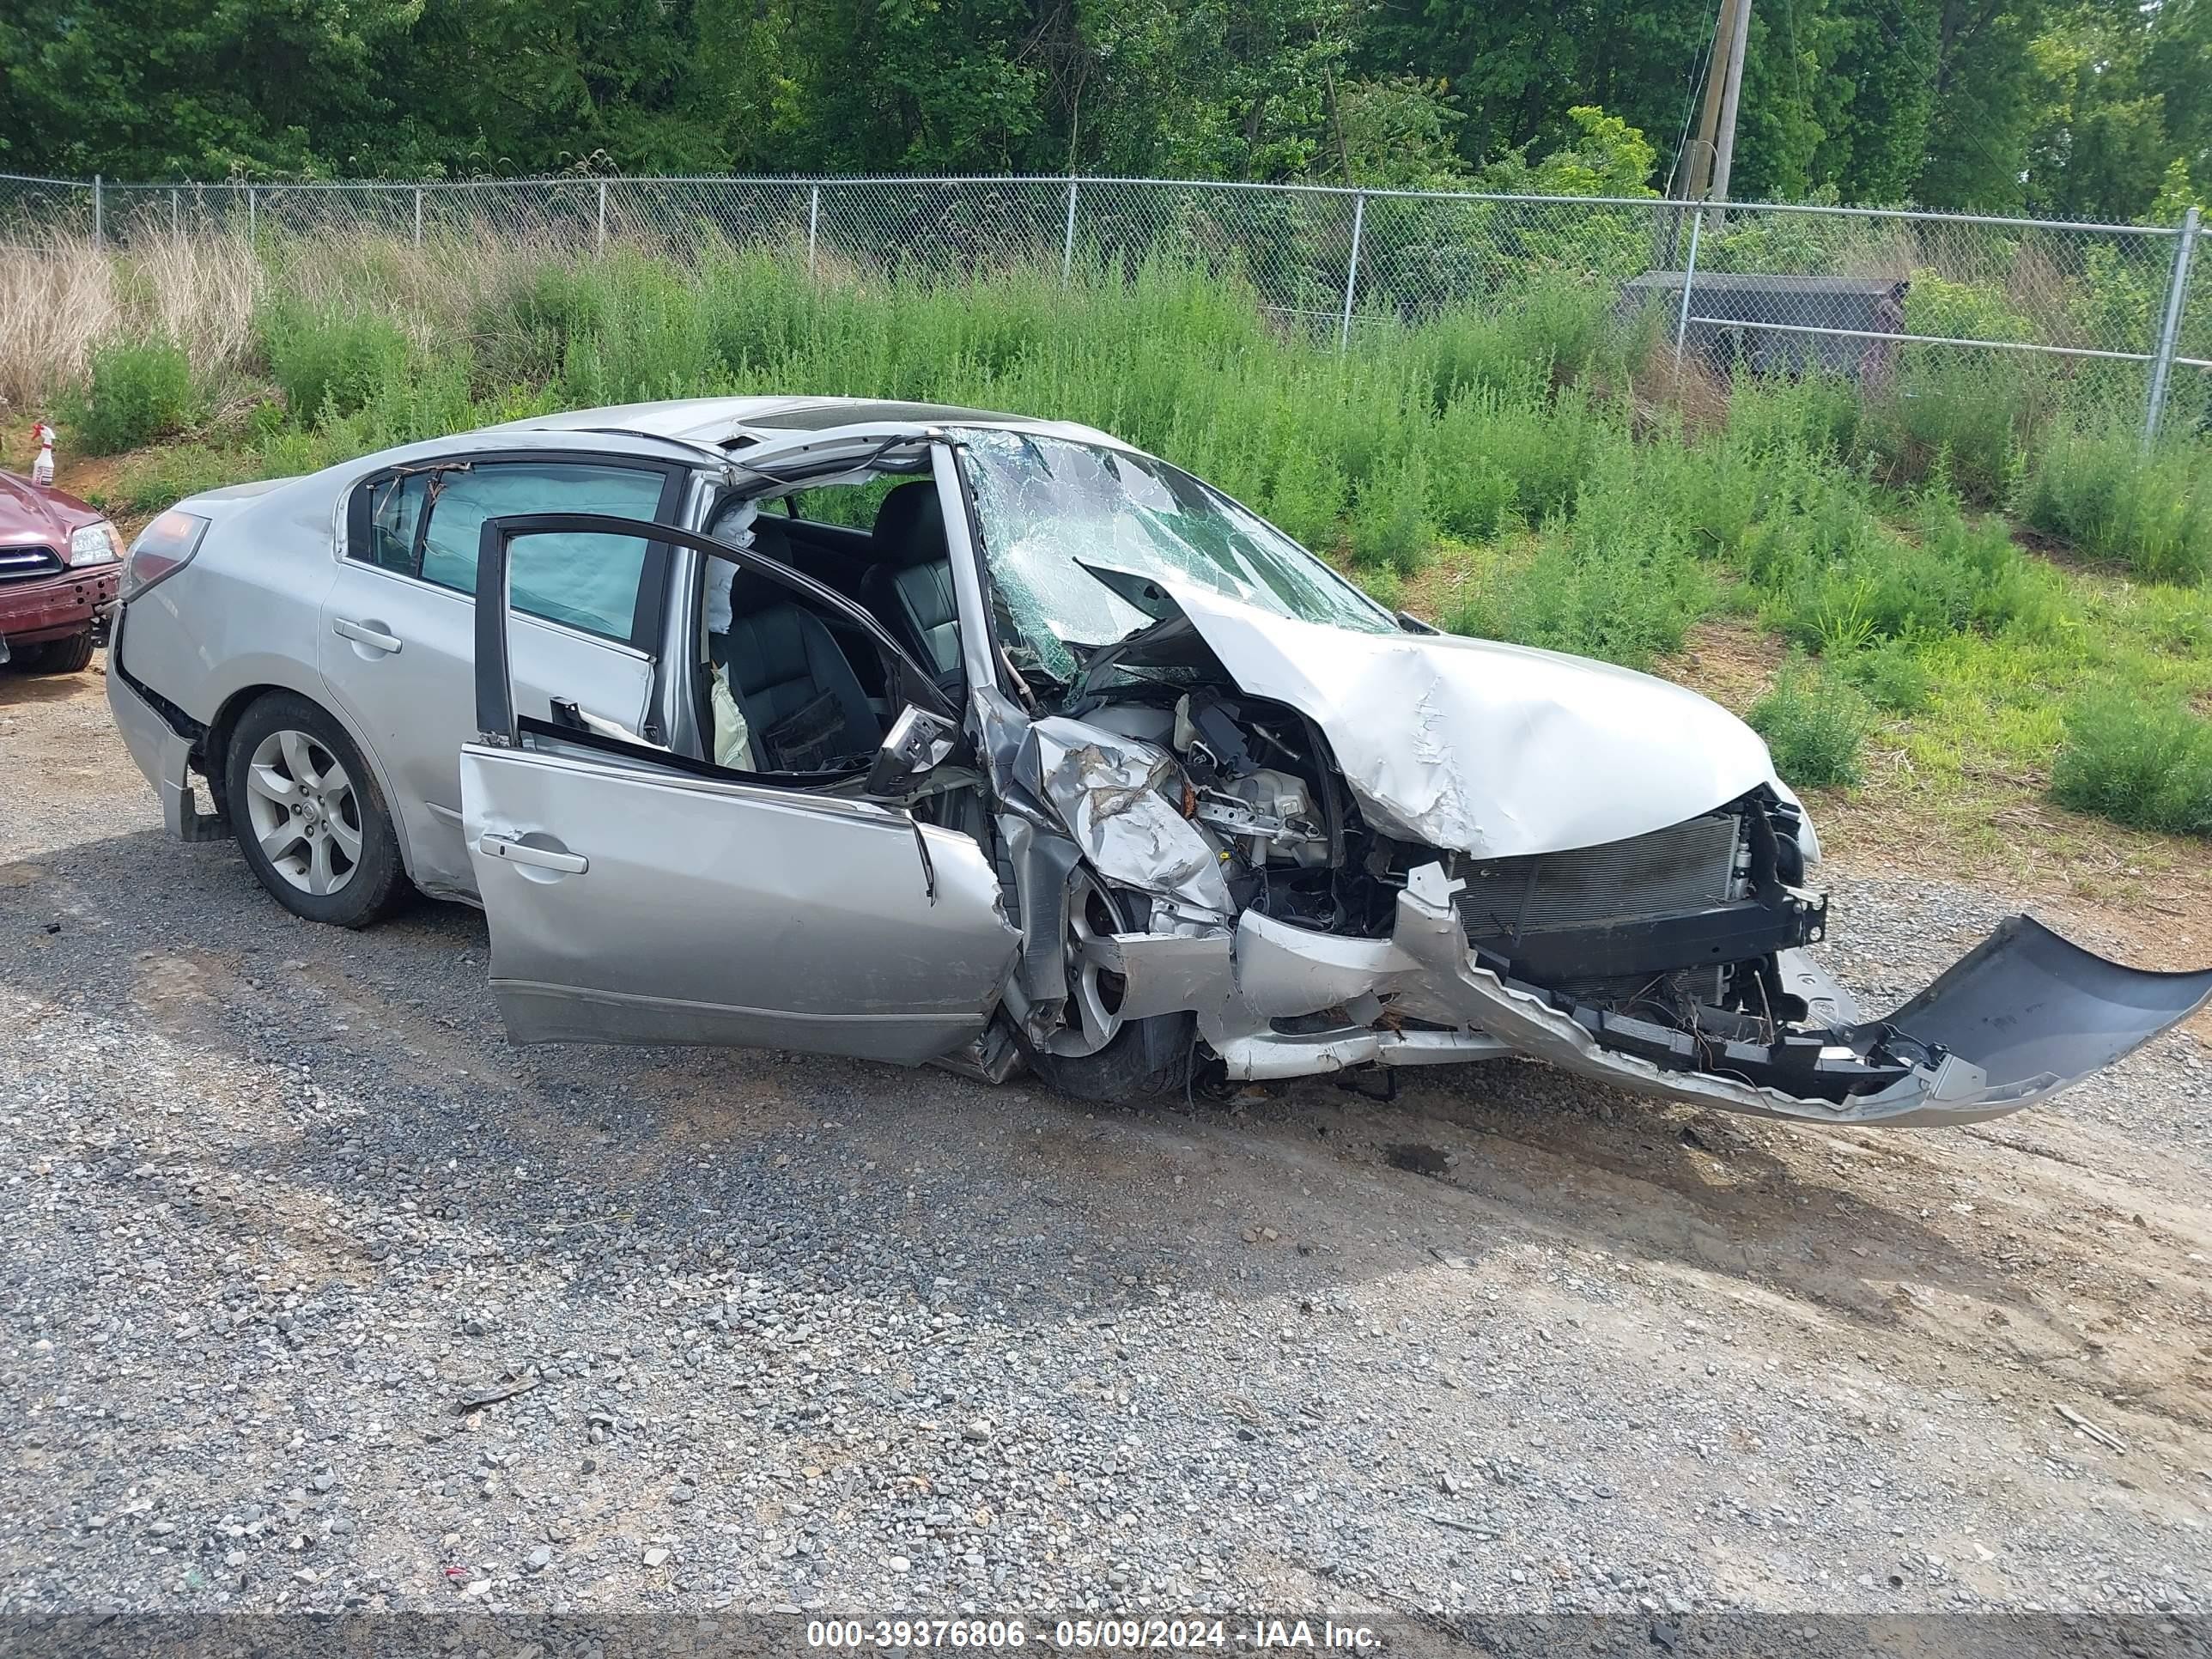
{"x":813,"y":223}
{"x":99,"y":225}
{"x":603,"y":219}
{"x":252,"y":216}
{"x":1689,"y":270}
{"x":176,"y":213}
{"x":2169,"y":328}
{"x":1352,"y":270}
{"x":418,"y":215}
{"x":1067,"y":239}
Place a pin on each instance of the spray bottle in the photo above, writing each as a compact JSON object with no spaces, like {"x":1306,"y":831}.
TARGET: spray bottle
{"x":42,"y":468}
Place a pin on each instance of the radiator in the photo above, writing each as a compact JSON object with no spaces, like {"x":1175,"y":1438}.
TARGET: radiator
{"x":1686,"y":866}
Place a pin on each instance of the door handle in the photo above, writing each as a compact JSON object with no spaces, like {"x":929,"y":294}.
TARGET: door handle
{"x":517,"y":851}
{"x":364,"y":633}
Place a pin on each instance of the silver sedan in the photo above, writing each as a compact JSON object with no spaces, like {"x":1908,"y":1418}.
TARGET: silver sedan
{"x":927,"y":734}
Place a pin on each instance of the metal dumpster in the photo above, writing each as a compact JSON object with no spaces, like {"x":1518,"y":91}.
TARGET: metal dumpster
{"x":1751,"y":321}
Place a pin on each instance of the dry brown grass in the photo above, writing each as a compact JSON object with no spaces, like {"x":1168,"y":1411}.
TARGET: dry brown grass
{"x":55,"y":301}
{"x":201,"y":292}
{"x":60,"y":298}
{"x":435,"y":292}
{"x":1682,"y":388}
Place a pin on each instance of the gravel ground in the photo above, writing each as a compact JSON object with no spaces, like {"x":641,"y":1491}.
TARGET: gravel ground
{"x":288,"y":1216}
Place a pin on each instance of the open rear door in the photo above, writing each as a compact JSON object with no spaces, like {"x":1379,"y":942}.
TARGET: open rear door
{"x":637,"y":898}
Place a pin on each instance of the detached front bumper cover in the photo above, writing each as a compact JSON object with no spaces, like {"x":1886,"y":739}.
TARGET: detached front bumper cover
{"x":2023,"y":1015}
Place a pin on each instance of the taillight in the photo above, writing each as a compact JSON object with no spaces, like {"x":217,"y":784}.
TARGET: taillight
{"x":163,"y":548}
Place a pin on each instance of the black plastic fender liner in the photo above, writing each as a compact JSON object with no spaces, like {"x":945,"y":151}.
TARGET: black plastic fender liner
{"x":2031,"y":1008}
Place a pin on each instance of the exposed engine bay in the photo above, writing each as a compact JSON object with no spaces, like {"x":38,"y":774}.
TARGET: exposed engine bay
{"x":1258,"y":910}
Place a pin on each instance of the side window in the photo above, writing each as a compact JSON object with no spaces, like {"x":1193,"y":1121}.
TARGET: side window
{"x":427,"y":524}
{"x":395,"y":513}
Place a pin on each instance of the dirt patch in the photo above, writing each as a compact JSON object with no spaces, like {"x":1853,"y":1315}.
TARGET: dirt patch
{"x":19,"y":686}
{"x":2148,"y":896}
{"x":1732,"y":659}
{"x":2059,"y":551}
{"x":81,"y":475}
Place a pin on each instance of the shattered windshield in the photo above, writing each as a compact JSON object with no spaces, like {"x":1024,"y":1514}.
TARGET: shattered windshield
{"x":1050,"y":506}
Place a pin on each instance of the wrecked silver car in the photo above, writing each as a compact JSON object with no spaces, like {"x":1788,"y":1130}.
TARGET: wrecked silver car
{"x":943,"y":736}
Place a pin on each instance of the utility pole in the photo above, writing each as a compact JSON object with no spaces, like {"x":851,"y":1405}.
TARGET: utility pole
{"x":1697,"y":165}
{"x":1706,"y":174}
{"x":1730,"y":93}
{"x":1336,"y":120}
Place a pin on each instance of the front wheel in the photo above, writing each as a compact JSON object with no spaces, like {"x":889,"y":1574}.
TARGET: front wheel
{"x":308,"y":816}
{"x":1098,"y":1054}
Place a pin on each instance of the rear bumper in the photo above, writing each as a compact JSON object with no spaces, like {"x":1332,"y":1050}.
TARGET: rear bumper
{"x":163,"y":754}
{"x":2021,"y":1017}
{"x":57,"y":607}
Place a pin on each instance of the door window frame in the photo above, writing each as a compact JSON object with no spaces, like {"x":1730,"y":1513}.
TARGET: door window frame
{"x":500,"y":726}
{"x":649,"y":616}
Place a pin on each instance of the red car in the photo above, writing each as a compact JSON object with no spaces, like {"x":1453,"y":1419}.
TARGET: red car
{"x":59,"y":561}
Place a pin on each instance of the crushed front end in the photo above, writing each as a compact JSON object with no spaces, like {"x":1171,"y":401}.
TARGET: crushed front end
{"x":1299,"y":939}
{"x":1264,"y":819}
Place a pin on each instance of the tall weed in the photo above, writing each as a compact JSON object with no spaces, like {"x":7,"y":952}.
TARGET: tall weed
{"x":2145,"y":763}
{"x":140,"y":390}
{"x":328,"y":360}
{"x":2152,"y":513}
{"x":1815,"y":724}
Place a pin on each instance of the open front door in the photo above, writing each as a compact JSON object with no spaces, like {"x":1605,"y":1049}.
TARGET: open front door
{"x":632,"y":899}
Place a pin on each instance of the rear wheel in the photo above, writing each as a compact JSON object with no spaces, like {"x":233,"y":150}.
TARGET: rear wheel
{"x":1098,"y":1054}
{"x":68,"y":656}
{"x":307,"y":814}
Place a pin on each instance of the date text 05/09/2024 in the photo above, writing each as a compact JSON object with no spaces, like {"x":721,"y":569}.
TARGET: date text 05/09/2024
{"x":1093,"y":1635}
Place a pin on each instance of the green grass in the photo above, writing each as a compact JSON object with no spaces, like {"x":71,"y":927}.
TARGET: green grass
{"x":330,"y":361}
{"x":2147,"y":764}
{"x":1814,"y":723}
{"x":1892,"y":675}
{"x":2152,"y":513}
{"x":149,"y":483}
{"x":138,"y":390}
{"x":1517,"y":475}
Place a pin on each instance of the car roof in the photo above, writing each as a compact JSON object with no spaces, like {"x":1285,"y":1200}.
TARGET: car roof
{"x":739,"y":422}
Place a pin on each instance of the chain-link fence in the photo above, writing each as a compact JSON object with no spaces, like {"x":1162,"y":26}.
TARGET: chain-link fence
{"x":2040,"y":311}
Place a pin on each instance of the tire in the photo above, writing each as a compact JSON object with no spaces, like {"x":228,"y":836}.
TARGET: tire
{"x":69,"y":656}
{"x":1146,"y":1057}
{"x":307,"y":814}
{"x":1098,"y":1055}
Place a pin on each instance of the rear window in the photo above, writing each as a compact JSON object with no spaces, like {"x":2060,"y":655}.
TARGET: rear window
{"x":427,"y":524}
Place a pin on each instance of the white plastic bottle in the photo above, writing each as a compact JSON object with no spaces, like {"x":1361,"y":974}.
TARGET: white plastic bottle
{"x":42,"y":470}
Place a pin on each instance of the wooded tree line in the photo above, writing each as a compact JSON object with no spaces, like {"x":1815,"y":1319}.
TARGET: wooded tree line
{"x":2078,"y":108}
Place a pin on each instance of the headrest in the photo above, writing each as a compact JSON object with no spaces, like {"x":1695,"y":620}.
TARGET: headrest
{"x":910,"y":525}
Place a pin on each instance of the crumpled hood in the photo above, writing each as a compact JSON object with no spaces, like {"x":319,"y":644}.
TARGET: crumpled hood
{"x":1498,"y":750}
{"x":31,"y":516}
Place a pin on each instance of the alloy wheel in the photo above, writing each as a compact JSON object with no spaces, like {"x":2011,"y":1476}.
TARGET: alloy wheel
{"x":305,"y":813}
{"x":1094,"y":988}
